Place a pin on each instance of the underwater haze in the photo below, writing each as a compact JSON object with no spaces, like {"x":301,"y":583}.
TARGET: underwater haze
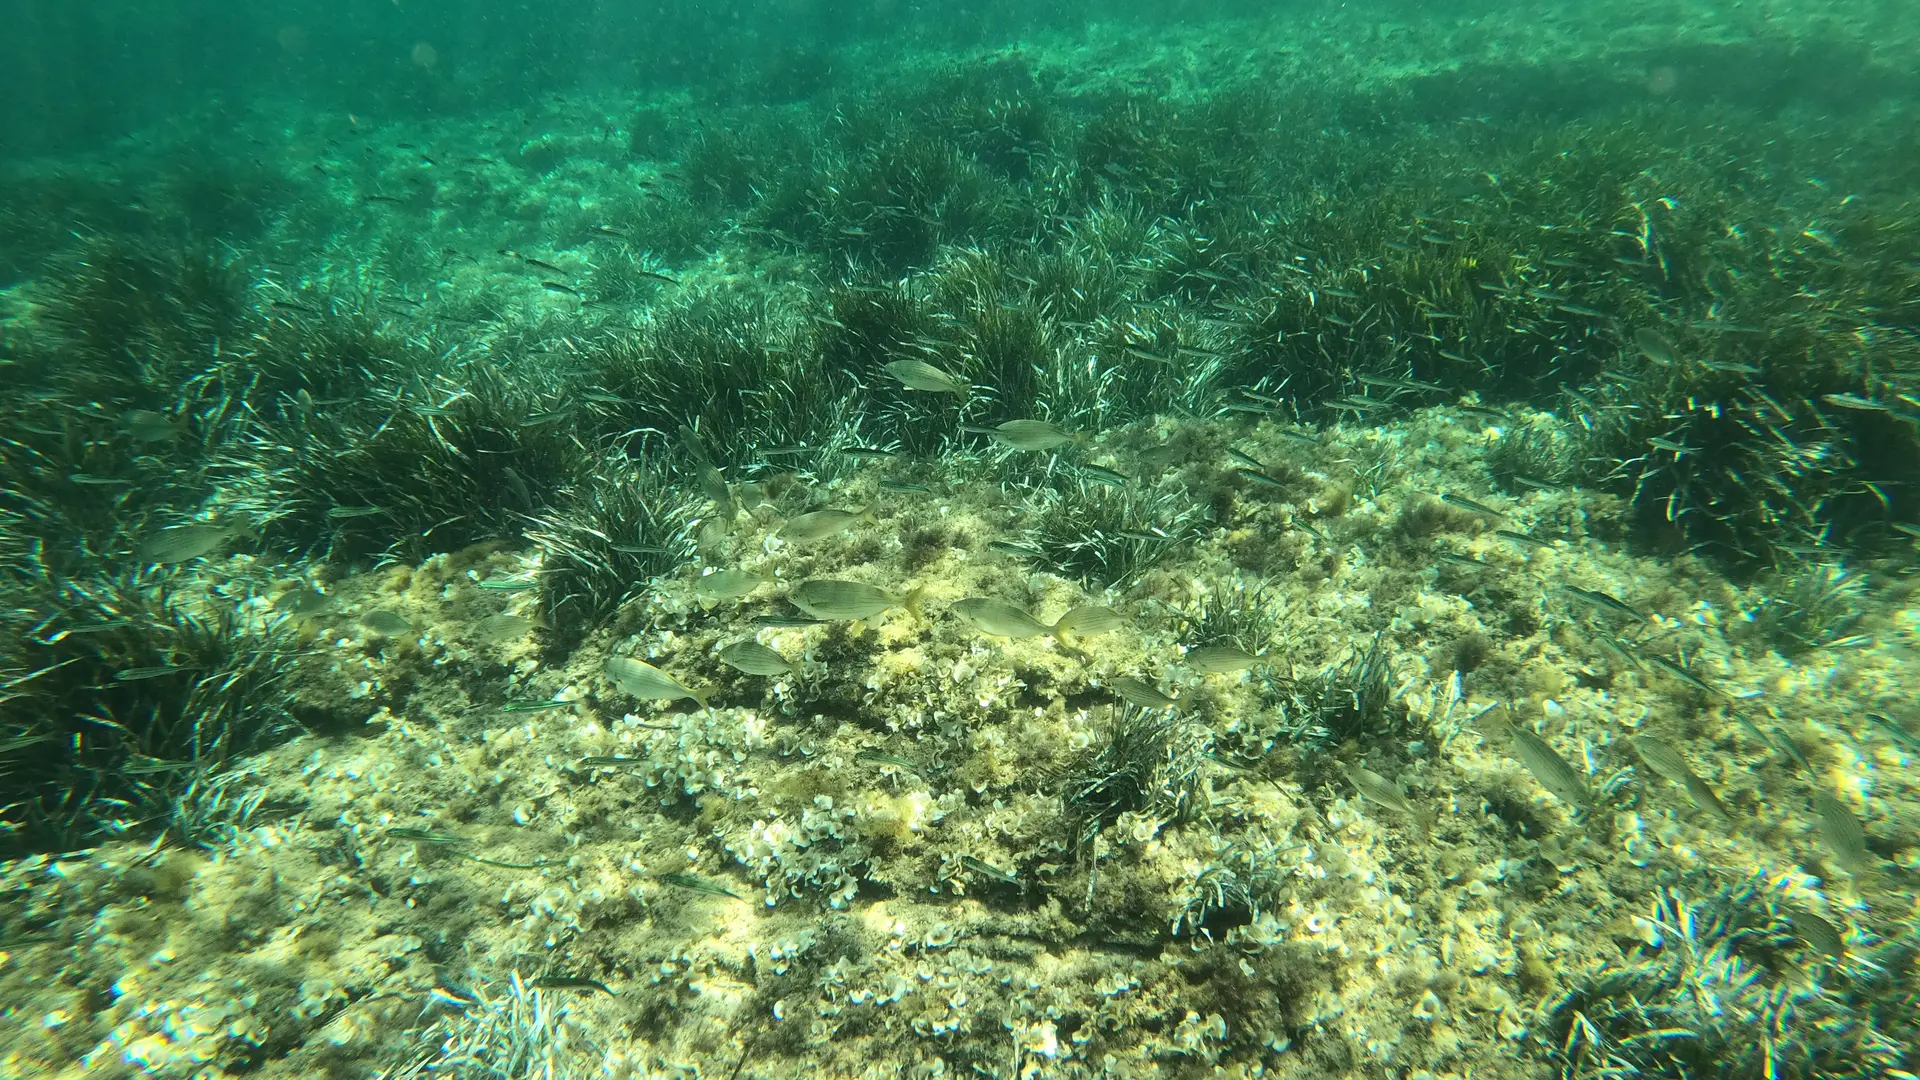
{"x":1016,"y":540}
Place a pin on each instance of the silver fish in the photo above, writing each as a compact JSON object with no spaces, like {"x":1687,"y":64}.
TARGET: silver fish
{"x":1220,"y":659}
{"x":817,"y":526}
{"x":1384,"y":792}
{"x":1818,"y":932}
{"x":1465,"y":503}
{"x":998,"y":618}
{"x":643,"y":680}
{"x":1552,"y":770}
{"x":1378,"y":789}
{"x":1029,"y":435}
{"x":184,"y":543}
{"x":147,"y":426}
{"x":1843,"y":834}
{"x":1088,"y":620}
{"x":500,"y":629}
{"x":1668,"y":763}
{"x":386,"y":623}
{"x":1141,"y":693}
{"x":1654,"y":346}
{"x":755,"y":659}
{"x":920,"y":375}
{"x":720,"y":585}
{"x":825,"y":598}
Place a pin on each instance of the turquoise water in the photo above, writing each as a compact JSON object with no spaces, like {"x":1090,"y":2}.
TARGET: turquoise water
{"x":1019,"y":540}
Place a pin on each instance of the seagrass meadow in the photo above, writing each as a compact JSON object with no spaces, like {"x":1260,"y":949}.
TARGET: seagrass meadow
{"x":1033,"y":541}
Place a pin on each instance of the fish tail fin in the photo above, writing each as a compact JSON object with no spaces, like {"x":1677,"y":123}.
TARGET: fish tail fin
{"x":911,"y":601}
{"x":701,"y":696}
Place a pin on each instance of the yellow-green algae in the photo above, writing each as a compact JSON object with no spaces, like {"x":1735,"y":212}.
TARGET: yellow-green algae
{"x":863,"y":945}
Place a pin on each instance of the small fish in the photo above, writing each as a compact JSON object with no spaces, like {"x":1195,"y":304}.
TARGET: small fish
{"x":1668,"y":763}
{"x":894,"y":761}
{"x":1843,"y":834}
{"x":1027,"y":434}
{"x":1856,"y":403}
{"x":1141,"y":693}
{"x":869,"y":453}
{"x":811,"y":528}
{"x":86,"y":480}
{"x":722,"y":585}
{"x":989,"y":871}
{"x":550,"y":416}
{"x":1088,"y":620}
{"x":920,"y":375}
{"x":904,"y":487}
{"x":506,"y":584}
{"x":344,"y":513}
{"x":1674,"y":669}
{"x":184,"y":543}
{"x":302,"y":600}
{"x":571,"y":982}
{"x":1576,"y":309}
{"x":1485,"y":411}
{"x":1245,"y":407}
{"x":424,"y":836}
{"x":1100,"y":475}
{"x":147,"y":426}
{"x":1144,"y":537}
{"x":755,"y":659}
{"x":1220,"y":659}
{"x":1894,"y":731}
{"x":1552,"y":770}
{"x":560,"y":287}
{"x":785,"y":622}
{"x":1008,"y":547}
{"x":535,"y":706}
{"x":141,"y":765}
{"x":142,"y":674}
{"x":610,"y":761}
{"x":825,"y":598}
{"x":643,"y":680}
{"x":1654,"y":346}
{"x":1378,"y":789}
{"x":1246,"y":460}
{"x":1523,"y":539}
{"x":998,"y":618}
{"x":1603,"y":601}
{"x":699,"y":885}
{"x":1262,"y":479}
{"x":1818,"y":932}
{"x":1782,"y":741}
{"x":1671,"y":447}
{"x":1465,"y":503}
{"x":386,"y":623}
{"x":500,"y":629}
{"x":1457,"y":559}
{"x":1728,"y":367}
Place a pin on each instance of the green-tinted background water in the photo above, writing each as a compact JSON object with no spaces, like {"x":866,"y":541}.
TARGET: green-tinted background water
{"x":990,"y":539}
